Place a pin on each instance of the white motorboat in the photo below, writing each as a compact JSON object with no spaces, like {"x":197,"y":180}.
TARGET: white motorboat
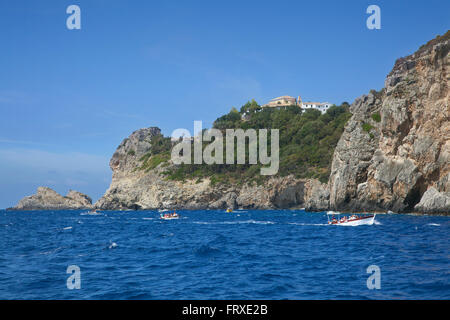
{"x":169,"y":216}
{"x":352,"y":220}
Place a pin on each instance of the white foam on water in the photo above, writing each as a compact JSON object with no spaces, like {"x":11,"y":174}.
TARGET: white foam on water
{"x":50,"y":251}
{"x":249,"y":221}
{"x":67,"y":228}
{"x":148,"y":218}
{"x":112,"y":245}
{"x":308,"y":224}
{"x":236,"y":222}
{"x":434,"y":224}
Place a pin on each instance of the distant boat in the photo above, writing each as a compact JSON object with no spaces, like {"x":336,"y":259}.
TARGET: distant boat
{"x":92,"y":212}
{"x":352,"y":220}
{"x":169,"y":216}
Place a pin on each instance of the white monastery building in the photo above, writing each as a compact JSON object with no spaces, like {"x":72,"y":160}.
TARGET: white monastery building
{"x":285,"y":101}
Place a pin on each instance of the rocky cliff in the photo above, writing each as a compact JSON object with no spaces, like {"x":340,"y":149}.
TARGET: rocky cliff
{"x":395,"y":151}
{"x":48,"y":199}
{"x":132,"y":188}
{"x":394,"y":155}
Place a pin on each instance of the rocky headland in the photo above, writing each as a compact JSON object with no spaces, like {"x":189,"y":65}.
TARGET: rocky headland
{"x":394,"y":154}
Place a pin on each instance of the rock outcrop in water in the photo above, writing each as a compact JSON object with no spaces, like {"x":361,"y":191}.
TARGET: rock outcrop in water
{"x":48,"y":199}
{"x":394,"y":153}
{"x":433,"y":201}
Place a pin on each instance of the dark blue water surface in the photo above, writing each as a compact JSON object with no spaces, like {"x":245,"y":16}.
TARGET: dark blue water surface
{"x":217,"y":255}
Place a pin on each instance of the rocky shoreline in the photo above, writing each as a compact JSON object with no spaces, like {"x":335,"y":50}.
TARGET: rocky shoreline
{"x":394,"y":155}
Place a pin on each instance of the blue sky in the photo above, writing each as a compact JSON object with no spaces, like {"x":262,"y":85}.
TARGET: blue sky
{"x":69,"y":97}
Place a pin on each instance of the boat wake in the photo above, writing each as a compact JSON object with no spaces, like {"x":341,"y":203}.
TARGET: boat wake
{"x":249,"y":221}
{"x":308,"y":224}
{"x":235,"y":222}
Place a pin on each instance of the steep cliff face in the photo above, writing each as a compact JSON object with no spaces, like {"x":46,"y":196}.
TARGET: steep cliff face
{"x":133,"y":188}
{"x":48,"y":199}
{"x":396,"y":146}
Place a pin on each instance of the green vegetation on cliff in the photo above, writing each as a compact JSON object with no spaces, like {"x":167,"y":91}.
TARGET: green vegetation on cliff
{"x":307,"y":142}
{"x":159,"y":153}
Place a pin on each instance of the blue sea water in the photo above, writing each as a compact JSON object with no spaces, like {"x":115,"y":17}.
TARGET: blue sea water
{"x":273,"y":254}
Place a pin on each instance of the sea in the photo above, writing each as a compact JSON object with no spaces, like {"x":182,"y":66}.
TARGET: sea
{"x":246,"y":254}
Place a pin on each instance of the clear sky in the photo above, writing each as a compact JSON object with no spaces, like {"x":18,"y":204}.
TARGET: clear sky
{"x":69,"y":97}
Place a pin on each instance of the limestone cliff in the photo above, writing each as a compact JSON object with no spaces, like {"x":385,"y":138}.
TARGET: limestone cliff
{"x":395,"y":151}
{"x":132,"y":188}
{"x":48,"y":199}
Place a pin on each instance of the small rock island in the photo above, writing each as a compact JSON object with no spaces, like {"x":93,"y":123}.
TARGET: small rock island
{"x":48,"y":199}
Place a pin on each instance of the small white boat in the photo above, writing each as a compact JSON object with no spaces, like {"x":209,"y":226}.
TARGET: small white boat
{"x":169,"y":216}
{"x":93,"y":212}
{"x":352,"y":220}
